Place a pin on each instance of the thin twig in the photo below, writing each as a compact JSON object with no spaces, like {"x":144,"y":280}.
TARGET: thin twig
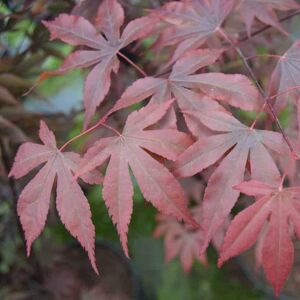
{"x":99,"y":123}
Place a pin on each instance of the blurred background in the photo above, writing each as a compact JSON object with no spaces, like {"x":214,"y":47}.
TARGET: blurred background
{"x":58,"y":268}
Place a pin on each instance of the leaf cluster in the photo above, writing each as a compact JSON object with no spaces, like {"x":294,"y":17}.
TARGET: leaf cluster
{"x":187,"y":126}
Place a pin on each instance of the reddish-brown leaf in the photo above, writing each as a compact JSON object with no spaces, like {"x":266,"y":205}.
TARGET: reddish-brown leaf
{"x":237,"y":142}
{"x":263,"y":10}
{"x":180,"y":240}
{"x":286,"y":76}
{"x":76,"y":30}
{"x":185,"y":241}
{"x":191,"y":23}
{"x":236,"y":90}
{"x":125,"y":151}
{"x":277,"y":208}
{"x":33,"y":203}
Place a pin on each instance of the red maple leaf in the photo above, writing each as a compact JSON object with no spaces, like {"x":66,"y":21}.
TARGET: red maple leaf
{"x":34,"y":201}
{"x":233,"y":143}
{"x":237,"y":90}
{"x":277,"y":208}
{"x":263,"y":10}
{"x":77,"y":31}
{"x":180,"y":240}
{"x":286,"y":76}
{"x":191,"y":23}
{"x":184,"y":241}
{"x":156,"y":182}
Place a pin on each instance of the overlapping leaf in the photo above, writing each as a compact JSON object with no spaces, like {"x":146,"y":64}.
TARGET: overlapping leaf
{"x":286,"y":76}
{"x":234,"y":142}
{"x":185,"y":241}
{"x":263,"y":10}
{"x":34,"y":201}
{"x":276,"y":208}
{"x":192,"y":22}
{"x":156,"y":182}
{"x":236,"y":90}
{"x":180,"y":240}
{"x":77,"y":31}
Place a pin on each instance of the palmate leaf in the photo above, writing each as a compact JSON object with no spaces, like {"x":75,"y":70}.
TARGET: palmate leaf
{"x":34,"y":201}
{"x":156,"y":182}
{"x":77,"y":31}
{"x":286,"y":76}
{"x":184,"y":241}
{"x":191,"y":23}
{"x":278,"y":209}
{"x":236,"y":90}
{"x":234,"y":142}
{"x":180,"y":240}
{"x":263,"y":10}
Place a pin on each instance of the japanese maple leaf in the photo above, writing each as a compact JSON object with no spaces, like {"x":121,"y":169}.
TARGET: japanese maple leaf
{"x":233,"y":142}
{"x":156,"y":182}
{"x":185,"y":241}
{"x":180,"y":240}
{"x":277,"y":208}
{"x":77,"y":31}
{"x":286,"y":76}
{"x":191,"y":22}
{"x":236,"y":90}
{"x":263,"y":10}
{"x":34,"y":201}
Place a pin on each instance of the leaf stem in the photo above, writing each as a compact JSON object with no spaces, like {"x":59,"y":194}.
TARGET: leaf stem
{"x":260,"y":89}
{"x":99,"y":123}
{"x":140,"y":70}
{"x":265,"y":55}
